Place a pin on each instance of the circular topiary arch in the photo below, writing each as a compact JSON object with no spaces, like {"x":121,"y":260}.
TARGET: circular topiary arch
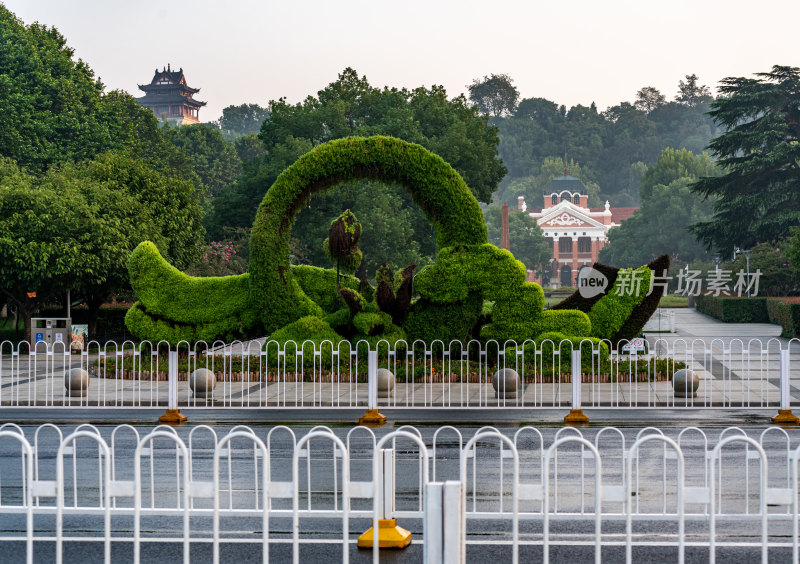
{"x":433,"y":184}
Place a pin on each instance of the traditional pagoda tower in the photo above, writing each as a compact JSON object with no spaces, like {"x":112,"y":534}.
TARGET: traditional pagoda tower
{"x":170,"y":98}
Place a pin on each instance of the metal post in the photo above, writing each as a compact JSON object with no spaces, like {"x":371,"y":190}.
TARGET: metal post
{"x":173,"y":414}
{"x":390,"y":534}
{"x":443,"y":523}
{"x":576,"y":415}
{"x":372,"y":416}
{"x":785,"y":415}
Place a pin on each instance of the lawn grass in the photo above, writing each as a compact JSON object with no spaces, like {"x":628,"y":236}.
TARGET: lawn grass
{"x":674,"y":300}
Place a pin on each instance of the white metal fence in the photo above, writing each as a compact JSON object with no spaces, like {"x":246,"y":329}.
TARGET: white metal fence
{"x":526,"y":492}
{"x":731,"y":373}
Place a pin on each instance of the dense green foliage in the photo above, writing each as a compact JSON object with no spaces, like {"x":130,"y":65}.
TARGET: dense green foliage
{"x":611,"y":146}
{"x":786,"y":313}
{"x":341,"y":244}
{"x":319,"y":284}
{"x":495,"y":95}
{"x":758,"y":197}
{"x":436,"y":188}
{"x":116,"y":179}
{"x":610,"y":313}
{"x":779,"y":276}
{"x":527,"y":243}
{"x":242,"y":120}
{"x":214,"y":159}
{"x":668,"y":208}
{"x":173,"y":306}
{"x":733,"y":310}
{"x":395,"y":230}
{"x":50,"y":104}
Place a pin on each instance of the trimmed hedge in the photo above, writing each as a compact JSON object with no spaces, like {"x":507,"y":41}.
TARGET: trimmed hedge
{"x":464,"y":270}
{"x":319,"y":284}
{"x":433,"y":184}
{"x":786,"y":313}
{"x":173,"y":306}
{"x":611,"y":312}
{"x":733,"y":310}
{"x":569,"y":322}
{"x":644,"y":311}
{"x":429,"y":321}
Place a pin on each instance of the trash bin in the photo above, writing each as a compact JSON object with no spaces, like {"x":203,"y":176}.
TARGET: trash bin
{"x":51,"y":331}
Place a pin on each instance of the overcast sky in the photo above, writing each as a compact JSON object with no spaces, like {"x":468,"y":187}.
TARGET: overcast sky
{"x":569,"y":51}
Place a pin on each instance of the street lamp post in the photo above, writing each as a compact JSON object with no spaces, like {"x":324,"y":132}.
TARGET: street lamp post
{"x":747,"y":259}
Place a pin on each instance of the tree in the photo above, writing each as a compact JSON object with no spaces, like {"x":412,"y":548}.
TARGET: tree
{"x":794,"y":248}
{"x":495,"y":95}
{"x":44,"y":239}
{"x":692,"y":94}
{"x":675,"y":164}
{"x":242,"y":120}
{"x":533,"y":187}
{"x":50,"y":108}
{"x":649,"y":98}
{"x":395,"y":230}
{"x":526,"y":240}
{"x":758,"y":197}
{"x":667,"y":209}
{"x":127,"y":202}
{"x":213,"y":158}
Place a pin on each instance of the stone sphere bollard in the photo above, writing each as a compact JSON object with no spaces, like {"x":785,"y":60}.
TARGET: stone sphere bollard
{"x":385,"y":383}
{"x":76,"y":382}
{"x":505,"y":383}
{"x":202,"y":382}
{"x":685,"y":383}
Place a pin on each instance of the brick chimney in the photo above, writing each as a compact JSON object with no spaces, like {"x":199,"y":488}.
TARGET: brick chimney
{"x":504,"y":242}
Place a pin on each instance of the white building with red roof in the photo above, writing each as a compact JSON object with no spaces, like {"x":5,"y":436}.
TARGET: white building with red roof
{"x":576,"y":231}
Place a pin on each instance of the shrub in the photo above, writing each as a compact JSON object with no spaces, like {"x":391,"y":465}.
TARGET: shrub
{"x":549,"y":342}
{"x":493,"y":273}
{"x":734,"y":310}
{"x":433,"y":184}
{"x":646,"y":308}
{"x":566,"y":321}
{"x":429,"y":321}
{"x":173,"y":306}
{"x":609,"y":314}
{"x":786,"y":313}
{"x":319,"y":284}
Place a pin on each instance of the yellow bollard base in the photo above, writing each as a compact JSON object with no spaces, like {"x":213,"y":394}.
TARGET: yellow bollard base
{"x":372,"y":417}
{"x":576,"y":417}
{"x":389,"y":536}
{"x":172,"y":417}
{"x":786,"y":417}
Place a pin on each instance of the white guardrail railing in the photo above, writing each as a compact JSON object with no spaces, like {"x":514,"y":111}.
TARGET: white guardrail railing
{"x":592,"y":489}
{"x":663,"y":372}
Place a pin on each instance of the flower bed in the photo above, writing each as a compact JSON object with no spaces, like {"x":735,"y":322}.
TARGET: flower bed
{"x":250,"y":369}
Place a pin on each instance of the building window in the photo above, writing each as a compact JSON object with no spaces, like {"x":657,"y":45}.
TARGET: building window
{"x":554,"y":199}
{"x":565,"y":245}
{"x":565,"y":198}
{"x":584,"y":245}
{"x":576,"y":199}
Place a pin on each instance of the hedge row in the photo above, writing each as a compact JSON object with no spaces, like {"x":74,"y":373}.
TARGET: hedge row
{"x":433,"y":184}
{"x":786,"y":313}
{"x":734,"y":310}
